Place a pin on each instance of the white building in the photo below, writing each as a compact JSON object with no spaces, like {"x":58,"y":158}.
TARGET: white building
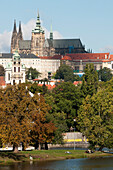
{"x":15,"y":70}
{"x":47,"y":66}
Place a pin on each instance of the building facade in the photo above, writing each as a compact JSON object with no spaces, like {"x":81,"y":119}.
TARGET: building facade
{"x":15,"y":70}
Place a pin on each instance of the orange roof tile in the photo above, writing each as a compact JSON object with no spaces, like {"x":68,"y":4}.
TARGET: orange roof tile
{"x":82,"y":56}
{"x":2,"y":81}
{"x":77,"y":82}
{"x":66,"y":58}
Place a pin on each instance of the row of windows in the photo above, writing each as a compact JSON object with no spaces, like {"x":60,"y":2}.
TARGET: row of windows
{"x":16,"y":69}
{"x":95,"y":67}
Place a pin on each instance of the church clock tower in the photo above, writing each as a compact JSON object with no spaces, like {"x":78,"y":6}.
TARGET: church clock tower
{"x":38,"y":39}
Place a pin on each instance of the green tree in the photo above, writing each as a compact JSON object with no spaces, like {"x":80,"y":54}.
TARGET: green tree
{"x":58,"y":118}
{"x":105,"y":74}
{"x":65,"y":72}
{"x":34,"y":73}
{"x":66,"y":99}
{"x":34,"y":88}
{"x":90,"y":80}
{"x":95,"y":119}
{"x":2,"y":71}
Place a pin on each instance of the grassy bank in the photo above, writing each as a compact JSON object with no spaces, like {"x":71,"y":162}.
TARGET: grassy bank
{"x":9,"y":157}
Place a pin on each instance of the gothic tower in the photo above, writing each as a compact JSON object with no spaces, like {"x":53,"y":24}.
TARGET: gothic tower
{"x":14,"y":38}
{"x":19,"y":35}
{"x":38,"y":39}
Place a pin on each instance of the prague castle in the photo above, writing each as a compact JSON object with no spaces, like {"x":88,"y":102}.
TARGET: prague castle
{"x":40,"y":46}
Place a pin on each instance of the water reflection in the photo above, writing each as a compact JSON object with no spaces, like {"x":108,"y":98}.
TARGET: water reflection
{"x":72,"y":164}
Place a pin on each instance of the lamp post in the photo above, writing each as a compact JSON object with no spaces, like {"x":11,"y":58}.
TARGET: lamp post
{"x":74,"y":132}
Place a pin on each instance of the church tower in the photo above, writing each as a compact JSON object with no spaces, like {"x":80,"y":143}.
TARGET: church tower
{"x":38,"y":39}
{"x":14,"y":38}
{"x":19,"y":35}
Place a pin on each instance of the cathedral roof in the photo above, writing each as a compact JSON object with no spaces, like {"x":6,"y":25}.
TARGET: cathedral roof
{"x":25,"y":44}
{"x":66,"y":43}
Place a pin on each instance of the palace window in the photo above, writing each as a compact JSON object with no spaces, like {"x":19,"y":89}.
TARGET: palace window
{"x":8,"y":76}
{"x":14,"y":69}
{"x":18,"y":69}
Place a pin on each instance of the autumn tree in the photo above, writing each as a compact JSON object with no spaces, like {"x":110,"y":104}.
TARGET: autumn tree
{"x":22,"y":113}
{"x":95,"y":119}
{"x":43,"y":131}
{"x":15,"y":117}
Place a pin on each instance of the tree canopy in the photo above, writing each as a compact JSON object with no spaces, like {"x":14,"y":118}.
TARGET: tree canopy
{"x":89,"y":81}
{"x":105,"y":74}
{"x":21,"y":114}
{"x":66,"y":98}
{"x":34,"y":73}
{"x":65,"y":72}
{"x":95,"y":119}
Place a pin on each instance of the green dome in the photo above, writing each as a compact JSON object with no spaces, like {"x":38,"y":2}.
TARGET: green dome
{"x":16,"y":56}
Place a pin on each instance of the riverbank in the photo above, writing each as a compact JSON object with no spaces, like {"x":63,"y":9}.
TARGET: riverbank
{"x":44,"y":155}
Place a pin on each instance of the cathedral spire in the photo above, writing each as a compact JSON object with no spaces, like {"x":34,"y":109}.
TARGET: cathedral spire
{"x":51,"y":33}
{"x":14,"y":29}
{"x":20,"y":27}
{"x":38,"y":28}
{"x":20,"y":37}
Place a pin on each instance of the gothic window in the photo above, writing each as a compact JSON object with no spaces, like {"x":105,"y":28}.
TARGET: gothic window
{"x":14,"y":69}
{"x":19,"y":81}
{"x":14,"y":62}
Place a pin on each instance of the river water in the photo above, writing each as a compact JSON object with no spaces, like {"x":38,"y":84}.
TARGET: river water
{"x":105,"y":163}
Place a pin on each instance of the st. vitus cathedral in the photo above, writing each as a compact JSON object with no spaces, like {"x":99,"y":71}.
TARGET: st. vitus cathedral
{"x":40,"y":46}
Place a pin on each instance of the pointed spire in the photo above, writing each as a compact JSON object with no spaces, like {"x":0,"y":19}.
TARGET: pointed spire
{"x":38,"y":16}
{"x":14,"y":30}
{"x":51,"y":33}
{"x":38,"y":28}
{"x":20,"y":27}
{"x":20,"y":37}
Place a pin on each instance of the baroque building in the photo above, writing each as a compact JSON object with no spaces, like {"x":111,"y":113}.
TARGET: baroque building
{"x":40,"y":46}
{"x":15,"y":70}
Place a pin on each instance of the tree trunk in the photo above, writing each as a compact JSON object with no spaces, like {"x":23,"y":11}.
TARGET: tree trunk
{"x":39,"y":147}
{"x":101,"y":147}
{"x":15,"y":148}
{"x":46,"y":146}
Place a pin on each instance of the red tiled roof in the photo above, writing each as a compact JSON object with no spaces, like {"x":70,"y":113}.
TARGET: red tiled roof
{"x":50,"y":87}
{"x":77,"y":82}
{"x":82,"y":56}
{"x":66,"y":58}
{"x":53,"y":57}
{"x":2,"y":81}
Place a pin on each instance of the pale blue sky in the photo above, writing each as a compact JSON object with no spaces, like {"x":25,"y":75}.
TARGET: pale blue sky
{"x":89,"y":20}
